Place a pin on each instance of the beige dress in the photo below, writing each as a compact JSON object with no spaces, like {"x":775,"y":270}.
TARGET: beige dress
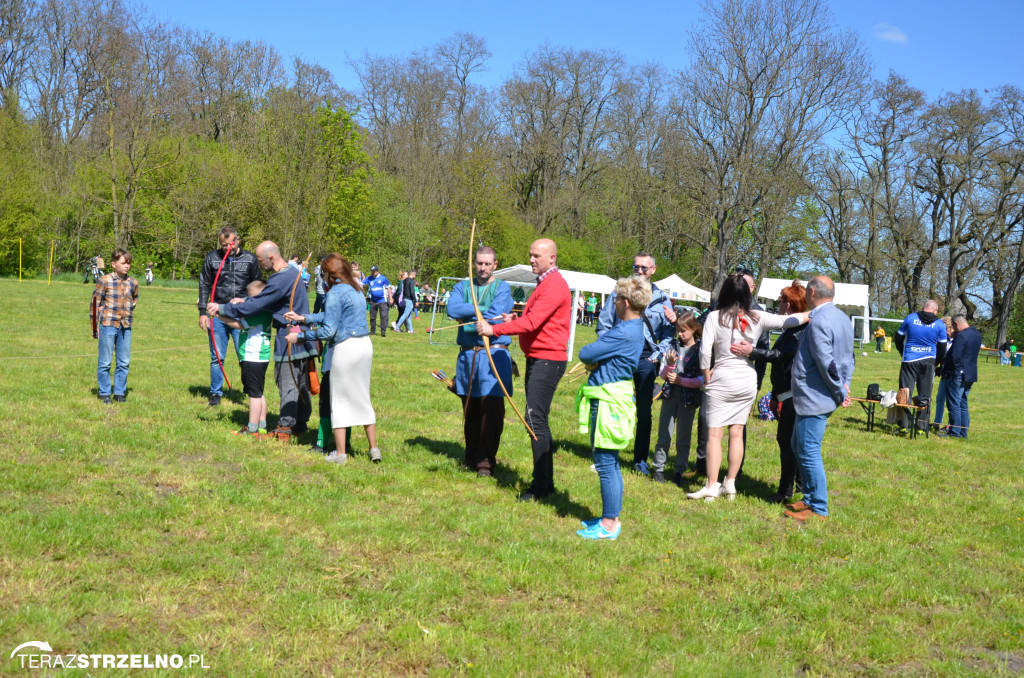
{"x":733,"y":387}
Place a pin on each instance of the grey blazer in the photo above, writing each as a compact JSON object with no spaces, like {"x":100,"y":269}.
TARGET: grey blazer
{"x":824,"y":362}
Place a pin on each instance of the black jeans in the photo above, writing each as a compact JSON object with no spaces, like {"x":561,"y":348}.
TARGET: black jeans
{"x":485,"y":421}
{"x":787,"y":458}
{"x":644,"y":377}
{"x":919,"y":374}
{"x":541,"y":380}
{"x":381,"y":308}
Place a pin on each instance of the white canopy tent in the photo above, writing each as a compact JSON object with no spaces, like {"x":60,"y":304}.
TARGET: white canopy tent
{"x":678,"y":289}
{"x":578,"y":282}
{"x":849,"y":297}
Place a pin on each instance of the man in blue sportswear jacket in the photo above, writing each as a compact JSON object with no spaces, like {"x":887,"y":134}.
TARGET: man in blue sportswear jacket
{"x":379,"y":290}
{"x":922,"y":341}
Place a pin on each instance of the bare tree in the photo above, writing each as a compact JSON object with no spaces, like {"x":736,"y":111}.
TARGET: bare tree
{"x":768,"y":80}
{"x":18,"y":30}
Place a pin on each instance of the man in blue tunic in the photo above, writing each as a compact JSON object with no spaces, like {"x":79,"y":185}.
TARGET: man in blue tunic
{"x":483,"y":402}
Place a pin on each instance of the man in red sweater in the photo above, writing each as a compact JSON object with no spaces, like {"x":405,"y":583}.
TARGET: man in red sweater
{"x":543,"y":333}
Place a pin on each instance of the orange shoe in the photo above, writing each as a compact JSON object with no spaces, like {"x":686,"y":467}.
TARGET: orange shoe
{"x":805,"y":515}
{"x":798,"y":506}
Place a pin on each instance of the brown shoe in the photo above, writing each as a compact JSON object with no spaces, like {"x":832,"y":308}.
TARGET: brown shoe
{"x":805,"y":515}
{"x":282,"y":434}
{"x":798,"y":506}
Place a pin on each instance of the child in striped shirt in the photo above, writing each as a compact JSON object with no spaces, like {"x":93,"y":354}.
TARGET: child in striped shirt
{"x":254,"y":351}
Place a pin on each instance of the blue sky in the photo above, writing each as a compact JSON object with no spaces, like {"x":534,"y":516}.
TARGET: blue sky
{"x":939,"y":46}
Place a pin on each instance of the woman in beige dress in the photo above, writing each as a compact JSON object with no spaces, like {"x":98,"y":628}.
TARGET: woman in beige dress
{"x":731,"y":386}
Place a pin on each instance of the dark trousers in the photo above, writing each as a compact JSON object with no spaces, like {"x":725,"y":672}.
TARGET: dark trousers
{"x":878,"y":344}
{"x":644,"y":376}
{"x":485,"y":421}
{"x":318,"y":303}
{"x":919,"y":374}
{"x":541,"y":380}
{"x":787,"y":458}
{"x":296,"y":401}
{"x":382,"y":309}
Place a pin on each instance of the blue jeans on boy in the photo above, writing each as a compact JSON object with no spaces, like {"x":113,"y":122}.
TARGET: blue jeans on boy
{"x":114,"y":339}
{"x":406,"y":317}
{"x":221,"y":333}
{"x":606,"y":463}
{"x":957,"y":393}
{"x":808,"y":432}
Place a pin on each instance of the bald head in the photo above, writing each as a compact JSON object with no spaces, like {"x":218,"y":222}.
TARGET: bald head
{"x":269,"y":256}
{"x":820,"y":290}
{"x":543,"y":255}
{"x":931,"y":306}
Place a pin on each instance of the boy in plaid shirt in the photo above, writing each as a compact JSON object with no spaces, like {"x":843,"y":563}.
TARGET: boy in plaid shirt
{"x":113,"y":302}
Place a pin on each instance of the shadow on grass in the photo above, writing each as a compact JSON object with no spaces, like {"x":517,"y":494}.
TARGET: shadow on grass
{"x":231,"y":395}
{"x":581,"y":450}
{"x":505,"y":477}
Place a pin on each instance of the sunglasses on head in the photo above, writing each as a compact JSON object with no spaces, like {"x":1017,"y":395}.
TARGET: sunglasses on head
{"x":742,"y":270}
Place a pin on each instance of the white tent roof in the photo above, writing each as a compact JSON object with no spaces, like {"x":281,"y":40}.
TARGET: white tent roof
{"x":678,"y":289}
{"x":847,"y":294}
{"x":584,"y":282}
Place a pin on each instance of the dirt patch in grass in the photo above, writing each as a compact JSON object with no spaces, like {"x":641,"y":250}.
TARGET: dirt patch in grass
{"x":989,"y":660}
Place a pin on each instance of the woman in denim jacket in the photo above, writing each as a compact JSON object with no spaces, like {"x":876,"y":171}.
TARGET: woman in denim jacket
{"x":343,"y":321}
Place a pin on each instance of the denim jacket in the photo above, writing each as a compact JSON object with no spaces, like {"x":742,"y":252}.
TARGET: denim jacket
{"x":343,"y":317}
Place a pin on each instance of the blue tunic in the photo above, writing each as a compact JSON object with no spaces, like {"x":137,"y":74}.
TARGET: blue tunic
{"x":484,"y":382}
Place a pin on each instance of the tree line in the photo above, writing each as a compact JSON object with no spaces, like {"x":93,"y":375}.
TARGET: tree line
{"x":773,"y":149}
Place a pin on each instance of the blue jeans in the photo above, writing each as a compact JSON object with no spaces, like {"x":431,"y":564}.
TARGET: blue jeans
{"x":940,"y":401}
{"x":808,"y":432}
{"x":222,"y":333}
{"x":956,"y":401}
{"x":606,"y":463}
{"x":111,"y":339}
{"x":406,"y":317}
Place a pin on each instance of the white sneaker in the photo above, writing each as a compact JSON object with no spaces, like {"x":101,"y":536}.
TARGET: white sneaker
{"x":729,"y":489}
{"x":375,"y":455}
{"x":336,"y":458}
{"x":394,"y":326}
{"x":707,"y":493}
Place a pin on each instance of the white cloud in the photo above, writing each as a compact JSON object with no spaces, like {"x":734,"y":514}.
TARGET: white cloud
{"x":889,"y":33}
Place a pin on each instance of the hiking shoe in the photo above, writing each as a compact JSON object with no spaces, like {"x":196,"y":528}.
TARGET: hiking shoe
{"x":375,"y":455}
{"x":244,"y":431}
{"x":642,"y":468}
{"x":282,"y":434}
{"x":119,"y":398}
{"x":336,"y":458}
{"x":214,"y":400}
{"x":598,"y":532}
{"x":658,"y":477}
{"x":105,"y":399}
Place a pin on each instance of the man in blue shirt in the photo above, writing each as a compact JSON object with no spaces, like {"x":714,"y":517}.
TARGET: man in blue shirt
{"x":379,"y":290}
{"x":483,"y":401}
{"x":922,"y":341}
{"x":822,"y":372}
{"x":659,"y":327}
{"x":960,"y":368}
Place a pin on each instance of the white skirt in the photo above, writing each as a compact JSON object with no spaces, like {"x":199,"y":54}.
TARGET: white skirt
{"x":350,"y":384}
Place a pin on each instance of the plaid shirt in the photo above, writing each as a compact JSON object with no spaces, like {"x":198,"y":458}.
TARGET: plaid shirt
{"x":546,"y":273}
{"x":114,"y":300}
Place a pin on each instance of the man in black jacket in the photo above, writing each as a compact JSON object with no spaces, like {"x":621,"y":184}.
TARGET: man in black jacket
{"x":960,"y":369}
{"x":240,"y":269}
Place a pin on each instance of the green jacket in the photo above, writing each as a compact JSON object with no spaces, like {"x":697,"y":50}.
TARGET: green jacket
{"x":616,"y":413}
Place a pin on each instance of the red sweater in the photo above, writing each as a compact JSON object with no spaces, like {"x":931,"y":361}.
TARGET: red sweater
{"x":544,"y":326}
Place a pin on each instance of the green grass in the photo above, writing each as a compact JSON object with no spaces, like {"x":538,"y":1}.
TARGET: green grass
{"x":148,"y":528}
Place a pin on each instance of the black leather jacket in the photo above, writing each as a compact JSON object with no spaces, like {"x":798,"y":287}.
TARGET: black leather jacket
{"x":781,"y":358}
{"x":239,"y":270}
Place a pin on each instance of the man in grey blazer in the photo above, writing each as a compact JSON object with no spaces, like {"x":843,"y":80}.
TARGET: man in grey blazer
{"x":822,"y":372}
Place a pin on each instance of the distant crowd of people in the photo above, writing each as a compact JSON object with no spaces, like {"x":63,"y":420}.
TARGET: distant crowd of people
{"x":711,"y":365}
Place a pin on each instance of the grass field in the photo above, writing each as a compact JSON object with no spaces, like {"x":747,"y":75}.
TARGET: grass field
{"x":148,"y":528}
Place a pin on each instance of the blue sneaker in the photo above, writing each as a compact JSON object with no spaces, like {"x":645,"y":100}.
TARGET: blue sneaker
{"x":590,"y":523}
{"x":642,"y":468}
{"x":598,"y":532}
